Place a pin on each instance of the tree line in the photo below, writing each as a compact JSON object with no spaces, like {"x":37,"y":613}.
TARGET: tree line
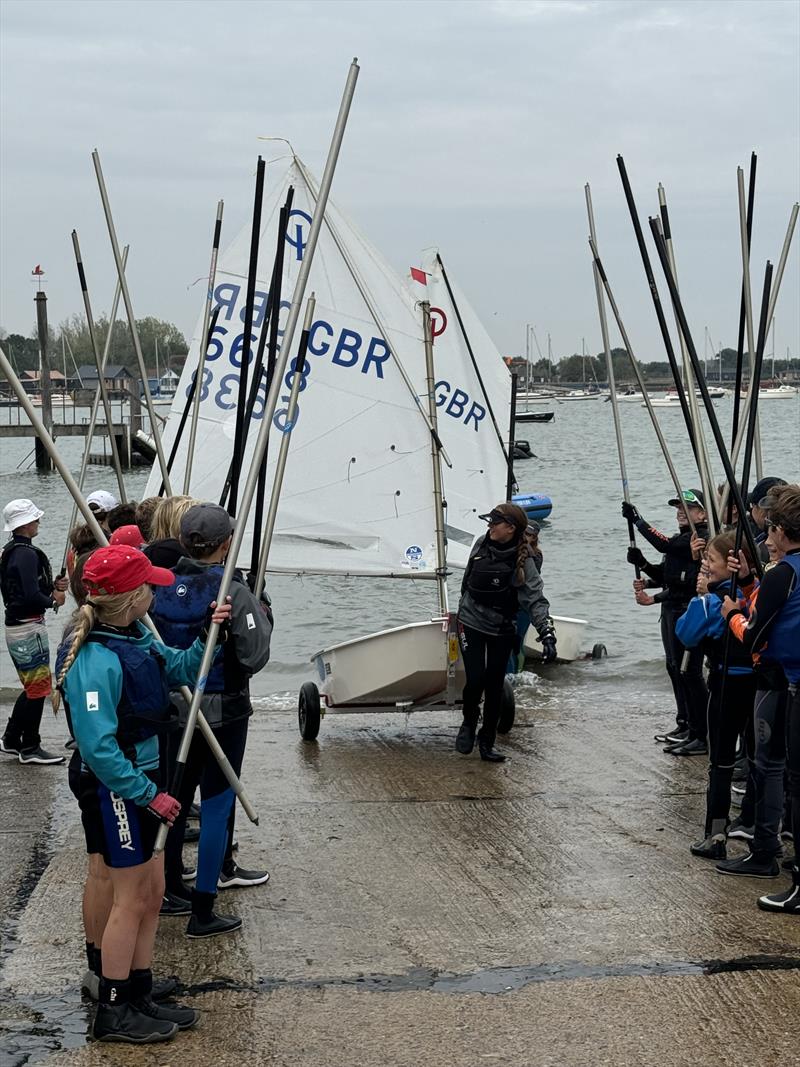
{"x":155,"y":336}
{"x":576,"y":368}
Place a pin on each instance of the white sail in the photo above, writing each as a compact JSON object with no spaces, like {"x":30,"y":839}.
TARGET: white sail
{"x":476,"y":480}
{"x":357,"y":495}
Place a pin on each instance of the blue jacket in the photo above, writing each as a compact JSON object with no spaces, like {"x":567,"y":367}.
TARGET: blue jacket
{"x":93,"y":690}
{"x":702,"y":623}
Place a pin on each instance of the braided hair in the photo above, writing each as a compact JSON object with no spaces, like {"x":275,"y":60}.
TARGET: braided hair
{"x":102,"y":607}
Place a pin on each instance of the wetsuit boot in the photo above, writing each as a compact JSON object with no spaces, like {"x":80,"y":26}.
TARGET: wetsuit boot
{"x":118,"y":1020}
{"x":788,"y":902}
{"x":712,"y":847}
{"x":489,"y":753}
{"x":142,"y":999}
{"x":205,"y":922}
{"x":465,"y":740}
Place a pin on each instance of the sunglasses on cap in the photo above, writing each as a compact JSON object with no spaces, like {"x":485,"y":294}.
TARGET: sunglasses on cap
{"x":495,"y":518}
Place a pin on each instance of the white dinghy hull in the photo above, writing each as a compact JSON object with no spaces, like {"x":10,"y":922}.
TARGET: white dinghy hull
{"x":570,"y":635}
{"x":403,"y":666}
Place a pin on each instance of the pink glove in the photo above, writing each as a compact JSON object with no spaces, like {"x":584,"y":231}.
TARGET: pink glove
{"x":165,"y":807}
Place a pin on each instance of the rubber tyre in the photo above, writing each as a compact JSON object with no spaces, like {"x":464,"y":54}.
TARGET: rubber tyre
{"x":308,"y":712}
{"x":599,"y":651}
{"x":508,"y":709}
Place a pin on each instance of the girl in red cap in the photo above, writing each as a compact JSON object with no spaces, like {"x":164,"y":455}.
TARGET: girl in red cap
{"x":115,"y":679}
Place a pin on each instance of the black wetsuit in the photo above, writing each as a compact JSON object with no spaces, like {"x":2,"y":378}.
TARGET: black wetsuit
{"x":677,"y":577}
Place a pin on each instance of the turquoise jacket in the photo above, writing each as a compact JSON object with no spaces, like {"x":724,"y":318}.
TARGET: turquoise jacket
{"x":93,"y":688}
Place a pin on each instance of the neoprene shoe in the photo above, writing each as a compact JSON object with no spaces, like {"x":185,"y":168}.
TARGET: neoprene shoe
{"x":489,"y":753}
{"x":211,"y":925}
{"x":788,"y":901}
{"x":125,"y":1023}
{"x":162,"y":987}
{"x":172,"y":904}
{"x":184,"y":1018}
{"x":739,"y":832}
{"x":233,"y":875}
{"x":690,"y":748}
{"x":465,"y":739}
{"x":712,"y":848}
{"x":753,"y":865}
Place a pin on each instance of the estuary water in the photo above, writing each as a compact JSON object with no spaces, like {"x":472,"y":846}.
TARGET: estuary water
{"x":584,"y":544}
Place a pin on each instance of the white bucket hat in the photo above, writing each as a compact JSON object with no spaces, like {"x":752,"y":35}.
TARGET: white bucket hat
{"x":19,"y":513}
{"x":102,"y":500}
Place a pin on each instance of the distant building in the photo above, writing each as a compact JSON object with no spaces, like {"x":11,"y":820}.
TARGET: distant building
{"x":31,"y":381}
{"x":118,"y":379}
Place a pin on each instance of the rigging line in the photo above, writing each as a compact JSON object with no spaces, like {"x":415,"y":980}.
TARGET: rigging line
{"x":473,"y":360}
{"x":378,"y":324}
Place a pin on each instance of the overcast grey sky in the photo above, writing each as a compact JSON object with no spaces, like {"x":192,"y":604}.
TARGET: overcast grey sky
{"x":474,"y":127}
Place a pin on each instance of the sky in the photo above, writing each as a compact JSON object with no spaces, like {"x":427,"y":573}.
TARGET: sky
{"x":474,"y":128}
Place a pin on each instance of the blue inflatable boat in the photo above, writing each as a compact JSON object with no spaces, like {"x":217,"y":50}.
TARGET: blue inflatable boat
{"x":535,"y":505}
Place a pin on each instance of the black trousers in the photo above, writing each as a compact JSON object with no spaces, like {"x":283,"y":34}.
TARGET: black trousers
{"x":217,"y":805}
{"x":730,"y":713}
{"x":793,"y":764}
{"x":771,"y":733}
{"x":485,"y":657}
{"x":691,"y":695}
{"x":22,"y":729}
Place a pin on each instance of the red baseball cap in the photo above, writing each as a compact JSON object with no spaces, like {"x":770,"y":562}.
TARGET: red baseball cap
{"x":121,"y":568}
{"x":127,"y":535}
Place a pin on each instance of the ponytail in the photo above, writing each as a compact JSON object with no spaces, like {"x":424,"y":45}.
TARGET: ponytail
{"x":523,"y":553}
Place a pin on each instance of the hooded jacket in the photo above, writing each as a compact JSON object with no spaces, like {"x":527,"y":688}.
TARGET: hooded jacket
{"x":527,"y":596}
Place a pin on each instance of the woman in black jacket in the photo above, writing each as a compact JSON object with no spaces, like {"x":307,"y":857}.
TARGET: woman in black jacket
{"x":501,"y":577}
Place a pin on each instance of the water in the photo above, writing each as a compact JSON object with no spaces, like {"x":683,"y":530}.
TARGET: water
{"x":584,"y":545}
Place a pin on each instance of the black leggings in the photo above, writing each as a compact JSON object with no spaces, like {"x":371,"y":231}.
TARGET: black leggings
{"x":485,"y":657}
{"x":22,"y":730}
{"x":793,"y":764}
{"x":691,"y":695}
{"x":730,"y":713}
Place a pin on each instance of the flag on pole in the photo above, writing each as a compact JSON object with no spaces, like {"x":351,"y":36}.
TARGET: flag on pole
{"x":419,"y":275}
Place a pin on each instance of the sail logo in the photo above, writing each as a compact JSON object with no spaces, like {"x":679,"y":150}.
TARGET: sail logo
{"x":296,"y":241}
{"x":438,"y":322}
{"x":414,"y":558}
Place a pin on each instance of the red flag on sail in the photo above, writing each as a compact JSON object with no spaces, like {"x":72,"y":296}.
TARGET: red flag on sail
{"x":419,"y":275}
{"x":37,"y":269}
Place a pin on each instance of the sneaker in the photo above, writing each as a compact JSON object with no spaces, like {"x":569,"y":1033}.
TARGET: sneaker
{"x":8,"y":748}
{"x":191,"y":834}
{"x":739,"y":790}
{"x":712,"y":848}
{"x":38,"y":755}
{"x":677,"y":736}
{"x":123,"y":1022}
{"x":689,"y":748}
{"x":232,"y":875}
{"x":189,"y":873}
{"x":184,"y":1018}
{"x":173,"y":904}
{"x":788,"y":901}
{"x":753,"y":865}
{"x":212,"y":925}
{"x":739,"y":832}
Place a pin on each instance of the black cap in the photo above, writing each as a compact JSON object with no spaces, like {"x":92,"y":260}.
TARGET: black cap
{"x":692,"y":498}
{"x":760,"y":490}
{"x":495,"y":516}
{"x":207,"y":524}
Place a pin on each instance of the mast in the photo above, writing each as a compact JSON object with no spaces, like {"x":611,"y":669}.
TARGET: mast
{"x":438,"y":500}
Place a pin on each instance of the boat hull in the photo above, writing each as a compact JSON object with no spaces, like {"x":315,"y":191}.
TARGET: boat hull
{"x":536,"y":506}
{"x":401,"y":667}
{"x":570,"y":640}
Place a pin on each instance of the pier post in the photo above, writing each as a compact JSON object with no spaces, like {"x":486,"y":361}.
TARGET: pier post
{"x":43,"y":461}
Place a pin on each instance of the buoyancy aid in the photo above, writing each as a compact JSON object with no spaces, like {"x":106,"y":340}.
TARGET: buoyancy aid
{"x":783,"y":645}
{"x":489,"y":577}
{"x":739,"y":659}
{"x":144,"y":708}
{"x":179,"y":610}
{"x":10,"y":589}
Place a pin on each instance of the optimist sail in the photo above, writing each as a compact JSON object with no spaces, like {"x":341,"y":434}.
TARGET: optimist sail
{"x":358,"y":490}
{"x":467,"y":395}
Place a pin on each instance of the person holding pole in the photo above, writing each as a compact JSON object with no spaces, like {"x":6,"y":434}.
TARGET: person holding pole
{"x":677,"y":576}
{"x":115,"y":680}
{"x":28,"y":591}
{"x":774,"y":628}
{"x":179,"y":612}
{"x":500,"y":578}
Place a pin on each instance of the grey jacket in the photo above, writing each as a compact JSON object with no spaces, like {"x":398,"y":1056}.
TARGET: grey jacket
{"x":531,"y":599}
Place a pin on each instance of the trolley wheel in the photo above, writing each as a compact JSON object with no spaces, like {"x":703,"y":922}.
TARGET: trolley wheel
{"x":599,"y":651}
{"x":508,"y":708}
{"x":308,"y":711}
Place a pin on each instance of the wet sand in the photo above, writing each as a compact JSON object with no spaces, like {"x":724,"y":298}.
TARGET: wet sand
{"x":426,"y":909}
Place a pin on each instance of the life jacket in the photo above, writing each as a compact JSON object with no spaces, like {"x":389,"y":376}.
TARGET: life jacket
{"x":714,"y":647}
{"x":680,"y":570}
{"x":784,"y":636}
{"x":13,"y":595}
{"x":144,"y":708}
{"x":179,"y":611}
{"x":489,"y":578}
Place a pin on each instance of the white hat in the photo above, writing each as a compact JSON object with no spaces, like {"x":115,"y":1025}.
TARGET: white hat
{"x":19,"y":513}
{"x":102,"y":500}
